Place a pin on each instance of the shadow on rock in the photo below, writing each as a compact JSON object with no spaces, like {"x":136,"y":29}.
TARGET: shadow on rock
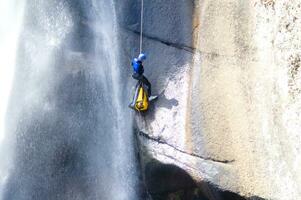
{"x":165,"y":102}
{"x":161,"y":102}
{"x":170,"y":182}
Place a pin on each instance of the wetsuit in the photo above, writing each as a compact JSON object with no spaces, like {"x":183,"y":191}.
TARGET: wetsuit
{"x":138,"y":75}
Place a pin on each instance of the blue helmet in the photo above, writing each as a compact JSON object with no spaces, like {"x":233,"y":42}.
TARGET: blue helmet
{"x":141,"y":57}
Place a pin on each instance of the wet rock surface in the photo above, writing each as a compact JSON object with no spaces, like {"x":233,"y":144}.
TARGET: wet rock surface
{"x":229,"y":101}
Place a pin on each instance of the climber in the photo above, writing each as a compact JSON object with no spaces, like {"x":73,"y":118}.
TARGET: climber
{"x":139,"y":70}
{"x":142,"y":96}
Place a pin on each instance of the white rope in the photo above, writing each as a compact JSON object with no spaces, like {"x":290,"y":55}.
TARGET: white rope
{"x":141,"y":25}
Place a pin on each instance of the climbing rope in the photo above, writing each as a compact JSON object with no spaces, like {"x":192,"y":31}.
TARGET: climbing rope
{"x":141,"y":25}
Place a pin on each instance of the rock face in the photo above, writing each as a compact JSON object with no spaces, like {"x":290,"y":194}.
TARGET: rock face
{"x":228,"y":113}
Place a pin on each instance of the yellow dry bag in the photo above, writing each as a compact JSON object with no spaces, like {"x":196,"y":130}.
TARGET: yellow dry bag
{"x":141,"y":103}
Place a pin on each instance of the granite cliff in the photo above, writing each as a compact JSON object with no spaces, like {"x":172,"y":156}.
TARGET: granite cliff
{"x":227,"y":119}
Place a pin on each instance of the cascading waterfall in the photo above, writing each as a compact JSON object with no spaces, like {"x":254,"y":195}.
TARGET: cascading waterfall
{"x":71,"y":133}
{"x":10,"y":26}
{"x":107,"y":48}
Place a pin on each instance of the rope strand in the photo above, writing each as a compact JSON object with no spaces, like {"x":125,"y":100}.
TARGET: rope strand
{"x":141,"y":25}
